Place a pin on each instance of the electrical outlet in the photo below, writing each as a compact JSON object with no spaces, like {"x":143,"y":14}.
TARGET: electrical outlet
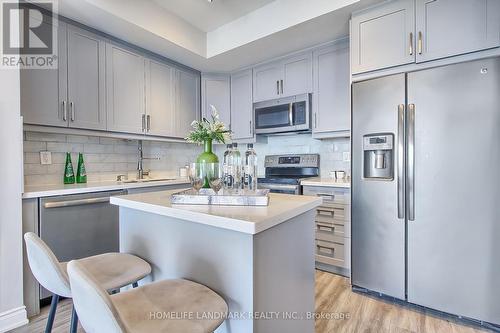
{"x":346,"y":156}
{"x":45,"y":157}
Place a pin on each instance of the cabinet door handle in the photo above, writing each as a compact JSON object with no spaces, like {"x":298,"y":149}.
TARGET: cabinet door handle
{"x":64,"y":111}
{"x":420,"y":42}
{"x":281,"y":87}
{"x":277,"y":87}
{"x":72,"y":109}
{"x":148,"y":122}
{"x":315,"y":120}
{"x":251,"y":129}
{"x":411,"y":43}
{"x":143,"y":128}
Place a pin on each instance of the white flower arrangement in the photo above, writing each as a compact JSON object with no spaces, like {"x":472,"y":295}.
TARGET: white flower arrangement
{"x":205,"y":129}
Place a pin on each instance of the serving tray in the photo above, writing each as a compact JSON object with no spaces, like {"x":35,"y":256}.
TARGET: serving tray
{"x":207,"y":196}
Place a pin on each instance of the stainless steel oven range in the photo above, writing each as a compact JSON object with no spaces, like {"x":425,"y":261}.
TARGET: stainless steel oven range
{"x":284,"y":172}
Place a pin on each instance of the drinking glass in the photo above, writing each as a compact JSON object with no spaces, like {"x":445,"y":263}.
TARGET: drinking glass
{"x":196,"y":176}
{"x":215,"y":176}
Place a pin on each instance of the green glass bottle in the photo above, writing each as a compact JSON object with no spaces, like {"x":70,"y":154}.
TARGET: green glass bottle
{"x":69,"y":173}
{"x":81,"y":174}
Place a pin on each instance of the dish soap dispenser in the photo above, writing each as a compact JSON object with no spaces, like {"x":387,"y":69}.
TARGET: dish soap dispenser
{"x":81,"y":174}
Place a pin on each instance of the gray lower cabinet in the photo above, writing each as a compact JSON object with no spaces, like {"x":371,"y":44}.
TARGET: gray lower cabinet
{"x":125,"y":90}
{"x":242,"y":106}
{"x":333,"y":229}
{"x":451,"y":27}
{"x":215,"y":90}
{"x":86,"y":89}
{"x":383,"y":36}
{"x":187,"y":101}
{"x":160,"y":99}
{"x":331,"y":94}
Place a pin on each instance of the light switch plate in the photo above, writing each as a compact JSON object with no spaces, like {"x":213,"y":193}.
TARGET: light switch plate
{"x":45,"y":157}
{"x":346,"y":156}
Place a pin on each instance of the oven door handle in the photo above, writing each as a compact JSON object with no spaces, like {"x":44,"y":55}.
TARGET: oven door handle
{"x":278,"y":187}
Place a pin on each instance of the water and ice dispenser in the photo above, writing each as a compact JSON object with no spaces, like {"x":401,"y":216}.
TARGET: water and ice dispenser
{"x":378,"y":151}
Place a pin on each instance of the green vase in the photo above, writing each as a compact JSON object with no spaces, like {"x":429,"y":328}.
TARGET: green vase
{"x":207,"y":157}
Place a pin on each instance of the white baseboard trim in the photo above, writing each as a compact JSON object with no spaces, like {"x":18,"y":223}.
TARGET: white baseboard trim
{"x":13,"y":318}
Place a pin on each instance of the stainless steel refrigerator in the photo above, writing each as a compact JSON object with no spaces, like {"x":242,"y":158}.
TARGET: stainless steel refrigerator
{"x":426,"y":188}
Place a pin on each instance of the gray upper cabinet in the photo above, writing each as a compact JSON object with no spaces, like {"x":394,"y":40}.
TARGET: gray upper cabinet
{"x":215,"y":90}
{"x":242,"y":106}
{"x":74,"y":95}
{"x":451,"y":27}
{"x":105,"y":85}
{"x":286,"y":77}
{"x":160,"y":98}
{"x":86,"y":80}
{"x":266,"y":82}
{"x":43,"y":91}
{"x":187,"y":101}
{"x":125,"y":90}
{"x":331,"y":97}
{"x":297,"y":75}
{"x":383,"y":37}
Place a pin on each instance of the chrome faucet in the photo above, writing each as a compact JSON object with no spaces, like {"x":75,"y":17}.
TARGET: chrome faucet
{"x":140,"y":171}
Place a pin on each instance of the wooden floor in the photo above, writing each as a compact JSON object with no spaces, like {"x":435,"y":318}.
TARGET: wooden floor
{"x":350,"y":313}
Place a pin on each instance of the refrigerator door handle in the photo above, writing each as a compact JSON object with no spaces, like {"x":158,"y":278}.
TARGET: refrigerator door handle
{"x":400,"y":170}
{"x":411,"y":162}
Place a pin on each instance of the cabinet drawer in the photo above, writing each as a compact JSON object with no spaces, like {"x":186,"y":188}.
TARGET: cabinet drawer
{"x":330,"y":249}
{"x":332,"y":253}
{"x":328,"y":231}
{"x":330,"y":195}
{"x":330,"y":214}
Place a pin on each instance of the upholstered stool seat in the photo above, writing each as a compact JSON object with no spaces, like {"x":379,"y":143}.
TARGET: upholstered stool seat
{"x":115,"y":270}
{"x":164,"y":306}
{"x":111,"y":271}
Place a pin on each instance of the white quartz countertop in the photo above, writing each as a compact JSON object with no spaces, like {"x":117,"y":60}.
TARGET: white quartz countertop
{"x":327,"y":182}
{"x":246,"y":219}
{"x":54,"y":190}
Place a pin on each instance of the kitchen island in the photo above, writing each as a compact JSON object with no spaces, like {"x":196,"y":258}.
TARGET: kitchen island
{"x":259,"y":259}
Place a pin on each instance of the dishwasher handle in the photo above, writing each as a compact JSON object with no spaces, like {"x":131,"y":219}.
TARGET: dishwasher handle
{"x":71,"y":203}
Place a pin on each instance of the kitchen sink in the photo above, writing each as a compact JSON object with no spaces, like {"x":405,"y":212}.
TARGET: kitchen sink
{"x":131,"y":181}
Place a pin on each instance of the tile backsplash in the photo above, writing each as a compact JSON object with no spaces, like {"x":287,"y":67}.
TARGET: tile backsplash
{"x":330,"y":150}
{"x":105,"y":158}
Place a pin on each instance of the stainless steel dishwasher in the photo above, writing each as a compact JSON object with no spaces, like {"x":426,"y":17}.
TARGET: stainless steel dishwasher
{"x":80,"y":225}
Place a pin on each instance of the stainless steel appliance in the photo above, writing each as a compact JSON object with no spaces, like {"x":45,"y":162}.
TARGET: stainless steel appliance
{"x":430,"y":233}
{"x":290,"y":114}
{"x":81,"y":225}
{"x":284,"y":172}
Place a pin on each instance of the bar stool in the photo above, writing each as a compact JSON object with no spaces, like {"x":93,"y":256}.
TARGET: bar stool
{"x":163,"y":306}
{"x":111,"y":270}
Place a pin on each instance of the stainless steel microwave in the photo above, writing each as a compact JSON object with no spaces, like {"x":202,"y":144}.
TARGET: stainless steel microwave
{"x":289,"y":114}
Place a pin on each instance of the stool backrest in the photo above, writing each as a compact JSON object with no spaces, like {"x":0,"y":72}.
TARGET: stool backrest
{"x":93,"y":304}
{"x":45,"y":266}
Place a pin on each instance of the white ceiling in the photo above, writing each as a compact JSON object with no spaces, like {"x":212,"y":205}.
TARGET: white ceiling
{"x":245,"y":32}
{"x":209,"y":16}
